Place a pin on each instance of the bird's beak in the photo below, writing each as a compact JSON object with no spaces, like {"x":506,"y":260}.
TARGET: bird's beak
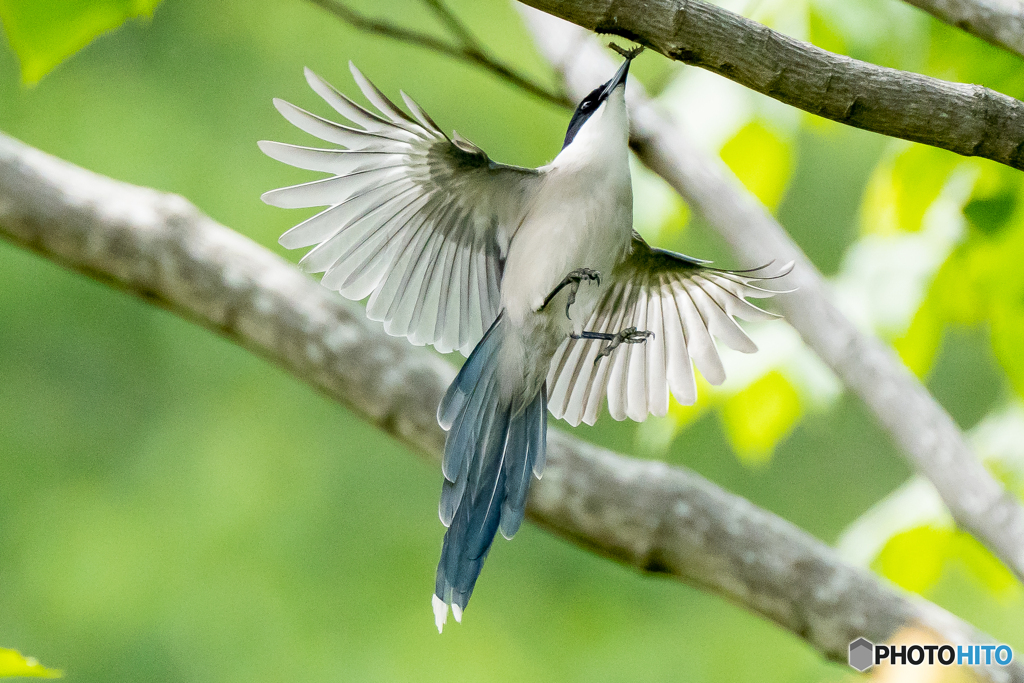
{"x":619,"y":78}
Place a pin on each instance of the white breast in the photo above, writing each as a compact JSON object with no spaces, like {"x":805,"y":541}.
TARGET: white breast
{"x":582,"y":217}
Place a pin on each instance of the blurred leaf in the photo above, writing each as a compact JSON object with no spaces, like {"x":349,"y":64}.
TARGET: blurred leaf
{"x":982,"y":565}
{"x":756,"y":418}
{"x":994,"y":198}
{"x":43,"y":34}
{"x":677,"y":219}
{"x":12,"y":664}
{"x":989,"y":213}
{"x":914,"y":559}
{"x":901,"y":189}
{"x":982,"y":281}
{"x":761,"y":160}
{"x":1011,"y":477}
{"x":823,"y":33}
{"x":955,"y":297}
{"x":1008,"y":339}
{"x":958,"y":56}
{"x":920,"y":345}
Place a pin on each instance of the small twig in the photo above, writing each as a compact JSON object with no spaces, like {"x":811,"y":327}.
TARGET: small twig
{"x":470,"y":53}
{"x":628,"y":54}
{"x":454,"y":24}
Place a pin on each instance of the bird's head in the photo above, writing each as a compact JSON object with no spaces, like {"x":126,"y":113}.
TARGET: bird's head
{"x":605,"y":99}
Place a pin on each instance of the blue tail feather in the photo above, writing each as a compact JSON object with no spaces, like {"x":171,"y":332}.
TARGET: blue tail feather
{"x":495,"y":443}
{"x":529,"y":438}
{"x":455,"y":398}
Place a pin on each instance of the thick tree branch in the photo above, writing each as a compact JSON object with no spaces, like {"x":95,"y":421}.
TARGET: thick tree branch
{"x":925,"y":433}
{"x":645,"y":514}
{"x":1000,"y":22}
{"x":966,"y":119}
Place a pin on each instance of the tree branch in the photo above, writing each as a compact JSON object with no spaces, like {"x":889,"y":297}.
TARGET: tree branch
{"x":453,"y":24}
{"x":468,"y":51}
{"x":647,"y":515}
{"x":925,"y":433}
{"x":999,"y":22}
{"x":966,"y":119}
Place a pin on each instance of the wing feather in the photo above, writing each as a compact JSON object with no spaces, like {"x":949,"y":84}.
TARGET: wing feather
{"x":686,"y":304}
{"x":636,"y":364}
{"x":414,"y":220}
{"x":329,"y":131}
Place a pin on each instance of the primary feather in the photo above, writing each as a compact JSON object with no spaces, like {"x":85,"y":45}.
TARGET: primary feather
{"x":415,"y":221}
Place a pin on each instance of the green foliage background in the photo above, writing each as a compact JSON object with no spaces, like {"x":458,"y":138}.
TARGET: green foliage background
{"x":174,"y":509}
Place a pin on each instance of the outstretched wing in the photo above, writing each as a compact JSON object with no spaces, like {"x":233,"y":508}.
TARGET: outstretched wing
{"x":418,"y":222}
{"x":685,"y":303}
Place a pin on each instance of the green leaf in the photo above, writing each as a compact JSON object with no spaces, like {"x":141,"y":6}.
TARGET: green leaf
{"x":761,"y":160}
{"x":676,"y":219}
{"x":914,"y":559}
{"x":758,"y":417}
{"x":982,"y":280}
{"x":13,"y":663}
{"x":920,"y":345}
{"x":982,"y":565}
{"x":1008,"y":339}
{"x":994,"y":198}
{"x":955,"y":55}
{"x":902,"y":188}
{"x":823,"y":32}
{"x":956,"y":296}
{"x":45,"y":33}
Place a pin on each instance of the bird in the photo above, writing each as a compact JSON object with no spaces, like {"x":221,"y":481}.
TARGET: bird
{"x":535,"y":274}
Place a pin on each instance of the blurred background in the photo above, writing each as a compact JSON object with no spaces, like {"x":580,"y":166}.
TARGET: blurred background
{"x":174,"y":509}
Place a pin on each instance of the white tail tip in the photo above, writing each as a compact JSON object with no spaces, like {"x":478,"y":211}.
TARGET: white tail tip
{"x":457,"y":611}
{"x":441,"y":613}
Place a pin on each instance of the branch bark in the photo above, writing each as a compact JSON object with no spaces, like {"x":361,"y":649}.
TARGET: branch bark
{"x":925,"y":433}
{"x":647,"y":515}
{"x":999,"y":22}
{"x":967,"y":119}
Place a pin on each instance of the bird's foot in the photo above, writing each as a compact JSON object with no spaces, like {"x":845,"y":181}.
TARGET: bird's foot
{"x":630,"y":335}
{"x":572,"y":281}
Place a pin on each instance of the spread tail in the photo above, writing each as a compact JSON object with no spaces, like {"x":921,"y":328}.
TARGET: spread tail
{"x":496,"y":440}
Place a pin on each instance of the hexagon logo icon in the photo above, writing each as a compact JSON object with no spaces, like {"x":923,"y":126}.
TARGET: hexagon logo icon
{"x":862,"y":653}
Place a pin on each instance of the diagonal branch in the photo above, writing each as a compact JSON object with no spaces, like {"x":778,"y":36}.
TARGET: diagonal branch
{"x":646,"y":515}
{"x":1000,"y":22}
{"x":925,"y":433}
{"x":454,"y":24}
{"x":469,"y":50}
{"x":966,"y":119}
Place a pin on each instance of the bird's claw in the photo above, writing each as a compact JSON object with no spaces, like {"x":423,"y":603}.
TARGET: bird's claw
{"x":575,"y":278}
{"x":572,"y":281}
{"x":630,"y":335}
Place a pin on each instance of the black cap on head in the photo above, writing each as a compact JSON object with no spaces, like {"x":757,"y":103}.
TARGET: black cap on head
{"x":593,"y":101}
